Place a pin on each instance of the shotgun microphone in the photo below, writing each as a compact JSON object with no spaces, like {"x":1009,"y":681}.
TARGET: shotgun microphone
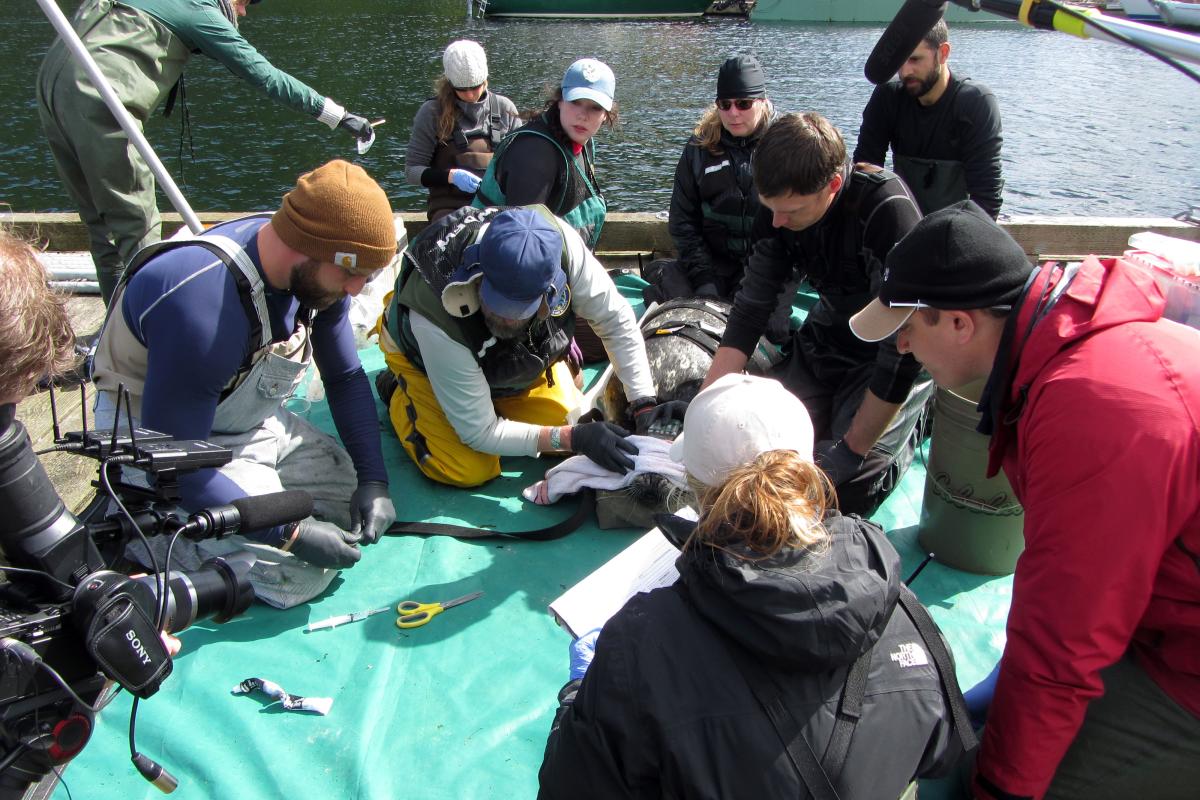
{"x":251,"y":513}
{"x":902,"y":35}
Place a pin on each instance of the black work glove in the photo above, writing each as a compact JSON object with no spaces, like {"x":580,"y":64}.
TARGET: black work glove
{"x":641,"y":410}
{"x":357,"y":126}
{"x":371,"y":511}
{"x":707,"y":290}
{"x":838,"y":460}
{"x":604,"y":443}
{"x":672,"y":410}
{"x":324,"y":544}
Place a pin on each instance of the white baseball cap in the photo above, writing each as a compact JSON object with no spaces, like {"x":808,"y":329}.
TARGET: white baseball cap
{"x":734,"y":420}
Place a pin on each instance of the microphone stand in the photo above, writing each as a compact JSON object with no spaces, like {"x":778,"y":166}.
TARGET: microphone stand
{"x":1044,"y":16}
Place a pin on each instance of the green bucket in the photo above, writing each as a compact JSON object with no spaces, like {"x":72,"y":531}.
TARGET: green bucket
{"x":968,"y":521}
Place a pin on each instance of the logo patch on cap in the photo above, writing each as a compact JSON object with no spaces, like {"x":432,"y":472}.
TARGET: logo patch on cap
{"x":559,"y":302}
{"x":591,"y":72}
{"x":346,"y":260}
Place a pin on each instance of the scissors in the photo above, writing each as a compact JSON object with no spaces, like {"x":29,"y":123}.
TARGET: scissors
{"x":414,"y":614}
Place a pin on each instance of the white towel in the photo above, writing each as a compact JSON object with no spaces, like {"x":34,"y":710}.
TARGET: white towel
{"x":580,"y":472}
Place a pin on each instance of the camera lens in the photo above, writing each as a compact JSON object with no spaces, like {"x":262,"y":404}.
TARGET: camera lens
{"x":220,"y":589}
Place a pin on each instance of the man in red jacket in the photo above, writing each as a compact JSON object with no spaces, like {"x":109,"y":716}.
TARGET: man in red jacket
{"x":1093,"y":406}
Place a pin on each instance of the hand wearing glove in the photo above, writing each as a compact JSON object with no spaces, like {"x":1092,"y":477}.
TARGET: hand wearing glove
{"x":371,"y":511}
{"x":642,"y":411}
{"x":838,"y":460}
{"x":707,"y":290}
{"x":324,"y":544}
{"x":583,"y":650}
{"x":357,"y":126}
{"x":464,"y":180}
{"x":670,"y":410}
{"x":604,"y":443}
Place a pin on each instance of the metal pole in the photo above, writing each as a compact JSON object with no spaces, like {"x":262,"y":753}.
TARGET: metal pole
{"x":128,"y":124}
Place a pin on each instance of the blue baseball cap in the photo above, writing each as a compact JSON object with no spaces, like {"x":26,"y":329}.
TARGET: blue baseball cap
{"x":589,"y":79}
{"x":517,"y":264}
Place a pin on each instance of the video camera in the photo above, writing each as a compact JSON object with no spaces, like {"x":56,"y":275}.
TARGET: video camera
{"x":69,"y":622}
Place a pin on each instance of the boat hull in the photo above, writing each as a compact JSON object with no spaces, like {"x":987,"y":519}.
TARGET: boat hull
{"x":1140,"y":11}
{"x":1179,"y":15}
{"x":850,"y":11}
{"x":596,"y":9}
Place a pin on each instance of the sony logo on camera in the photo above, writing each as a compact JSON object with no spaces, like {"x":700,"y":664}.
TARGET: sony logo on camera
{"x":136,"y":644}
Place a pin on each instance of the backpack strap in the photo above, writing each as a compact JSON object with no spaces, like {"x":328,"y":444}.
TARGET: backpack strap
{"x":945,"y":666}
{"x":848,"y":714}
{"x":799,"y":751}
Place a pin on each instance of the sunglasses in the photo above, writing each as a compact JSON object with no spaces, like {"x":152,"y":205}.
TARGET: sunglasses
{"x":744,"y":104}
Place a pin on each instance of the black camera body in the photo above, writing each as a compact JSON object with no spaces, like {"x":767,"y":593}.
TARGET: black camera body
{"x":68,"y":623}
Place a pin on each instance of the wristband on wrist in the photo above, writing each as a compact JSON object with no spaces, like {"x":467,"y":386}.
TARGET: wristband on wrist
{"x":556,"y":438}
{"x":643,"y":404}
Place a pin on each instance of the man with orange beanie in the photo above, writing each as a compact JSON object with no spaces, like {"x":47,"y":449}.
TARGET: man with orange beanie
{"x":212,"y":334}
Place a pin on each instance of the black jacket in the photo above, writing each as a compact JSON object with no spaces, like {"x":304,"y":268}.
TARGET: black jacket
{"x":963,"y":125}
{"x":842,"y":257}
{"x":713,"y":205}
{"x":665,"y":712}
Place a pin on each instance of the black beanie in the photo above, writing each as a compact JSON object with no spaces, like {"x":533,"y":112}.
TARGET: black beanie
{"x":741,"y":76}
{"x":956,"y":258}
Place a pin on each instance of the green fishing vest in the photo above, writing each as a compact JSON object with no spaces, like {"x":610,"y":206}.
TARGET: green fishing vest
{"x":431,"y":260}
{"x":580,"y":203}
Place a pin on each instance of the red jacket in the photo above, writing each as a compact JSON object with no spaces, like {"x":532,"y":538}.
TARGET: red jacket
{"x":1105,"y":458}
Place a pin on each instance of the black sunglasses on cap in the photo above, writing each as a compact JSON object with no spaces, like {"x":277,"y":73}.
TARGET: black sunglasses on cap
{"x":743,"y":104}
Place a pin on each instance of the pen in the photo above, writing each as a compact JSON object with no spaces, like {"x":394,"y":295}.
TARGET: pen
{"x":341,"y":619}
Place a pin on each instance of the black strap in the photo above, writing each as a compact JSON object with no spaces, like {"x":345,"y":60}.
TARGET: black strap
{"x":941,"y":658}
{"x":586,"y":508}
{"x":801,"y":754}
{"x":848,"y":714}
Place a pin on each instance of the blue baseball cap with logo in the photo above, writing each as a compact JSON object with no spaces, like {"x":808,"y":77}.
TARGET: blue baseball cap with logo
{"x":589,"y":79}
{"x":518,"y":263}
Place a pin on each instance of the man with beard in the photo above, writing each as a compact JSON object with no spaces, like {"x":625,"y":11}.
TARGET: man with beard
{"x":476,"y":338}
{"x":212,"y":334}
{"x":944,"y":130}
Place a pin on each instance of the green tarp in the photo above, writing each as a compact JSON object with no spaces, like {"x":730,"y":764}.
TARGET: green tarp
{"x":459,"y":708}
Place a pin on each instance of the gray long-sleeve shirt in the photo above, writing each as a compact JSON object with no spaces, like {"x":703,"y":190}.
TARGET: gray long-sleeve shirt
{"x":472,"y":118}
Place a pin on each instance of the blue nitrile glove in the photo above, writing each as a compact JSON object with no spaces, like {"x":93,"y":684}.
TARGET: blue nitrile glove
{"x":979,"y":697}
{"x":371,"y":511}
{"x":464,"y":180}
{"x":838,"y":460}
{"x":324,"y":544}
{"x":583,"y":650}
{"x":357,"y":126}
{"x":604,"y":443}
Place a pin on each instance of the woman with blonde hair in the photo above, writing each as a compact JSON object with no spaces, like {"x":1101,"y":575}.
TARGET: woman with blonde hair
{"x":455,"y":133}
{"x":781,"y":636}
{"x":713,"y":203}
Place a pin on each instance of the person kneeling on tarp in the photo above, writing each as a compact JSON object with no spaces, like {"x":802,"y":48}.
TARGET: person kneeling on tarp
{"x":213,"y":333}
{"x":476,"y":335}
{"x":780,"y":602}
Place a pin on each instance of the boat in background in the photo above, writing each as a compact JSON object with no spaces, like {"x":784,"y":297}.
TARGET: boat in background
{"x":589,"y":9}
{"x":1178,"y":14}
{"x":851,"y":11}
{"x":1136,"y":10}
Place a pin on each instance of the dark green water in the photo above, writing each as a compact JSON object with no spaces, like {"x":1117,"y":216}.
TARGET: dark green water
{"x":1090,"y":128}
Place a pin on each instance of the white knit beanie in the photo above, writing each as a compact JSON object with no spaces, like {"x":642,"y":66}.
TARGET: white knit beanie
{"x":465,"y":64}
